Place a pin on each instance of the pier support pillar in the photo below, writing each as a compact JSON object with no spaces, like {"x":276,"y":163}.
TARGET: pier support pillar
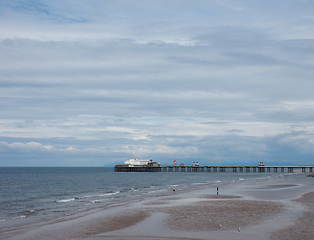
{"x":290,"y":169}
{"x":215,"y":169}
{"x":311,"y":169}
{"x":234,"y":169}
{"x":248,"y":169}
{"x":275,"y":169}
{"x":241,"y":169}
{"x":282,"y":169}
{"x":254,"y":169}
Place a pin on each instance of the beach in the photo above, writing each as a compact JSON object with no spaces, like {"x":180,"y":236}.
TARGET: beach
{"x":276,"y":208}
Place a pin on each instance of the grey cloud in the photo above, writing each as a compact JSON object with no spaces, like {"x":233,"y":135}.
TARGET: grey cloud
{"x":223,"y":81}
{"x":235,"y":131}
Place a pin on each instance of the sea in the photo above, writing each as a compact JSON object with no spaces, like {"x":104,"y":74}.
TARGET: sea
{"x":35,"y":194}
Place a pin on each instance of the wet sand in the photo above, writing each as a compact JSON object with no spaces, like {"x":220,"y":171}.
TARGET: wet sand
{"x":303,"y":226}
{"x":275,"y":209}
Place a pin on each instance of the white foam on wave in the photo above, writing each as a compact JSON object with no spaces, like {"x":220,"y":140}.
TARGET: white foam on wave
{"x":241,"y":179}
{"x":199,"y":183}
{"x":66,"y":200}
{"x":102,"y":195}
{"x":161,"y":190}
{"x":98,"y":201}
{"x":109,"y":194}
{"x":18,"y":217}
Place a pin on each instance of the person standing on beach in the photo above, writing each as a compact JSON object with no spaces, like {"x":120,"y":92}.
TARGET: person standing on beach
{"x":217,"y":191}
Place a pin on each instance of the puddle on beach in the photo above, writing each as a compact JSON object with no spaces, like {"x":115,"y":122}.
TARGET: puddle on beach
{"x":277,"y":186}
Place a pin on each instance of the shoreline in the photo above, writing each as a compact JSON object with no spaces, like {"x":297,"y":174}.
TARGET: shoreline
{"x":274,"y":209}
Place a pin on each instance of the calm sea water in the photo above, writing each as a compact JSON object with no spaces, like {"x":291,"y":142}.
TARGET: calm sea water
{"x":36,"y":194}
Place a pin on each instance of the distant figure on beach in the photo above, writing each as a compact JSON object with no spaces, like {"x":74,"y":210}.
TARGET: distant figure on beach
{"x":174,"y":189}
{"x":217,"y":191}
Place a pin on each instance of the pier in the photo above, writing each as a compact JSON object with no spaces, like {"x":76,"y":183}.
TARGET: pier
{"x":259,"y":169}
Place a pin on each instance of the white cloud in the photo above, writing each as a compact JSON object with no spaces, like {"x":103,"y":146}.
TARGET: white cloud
{"x":29,"y":147}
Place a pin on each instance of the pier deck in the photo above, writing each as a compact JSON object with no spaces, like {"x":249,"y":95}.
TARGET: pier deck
{"x":261,"y":169}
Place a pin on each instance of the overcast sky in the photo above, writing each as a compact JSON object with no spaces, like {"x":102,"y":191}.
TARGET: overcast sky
{"x":93,"y":83}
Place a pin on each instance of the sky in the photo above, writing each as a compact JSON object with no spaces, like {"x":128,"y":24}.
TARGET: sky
{"x":93,"y":83}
